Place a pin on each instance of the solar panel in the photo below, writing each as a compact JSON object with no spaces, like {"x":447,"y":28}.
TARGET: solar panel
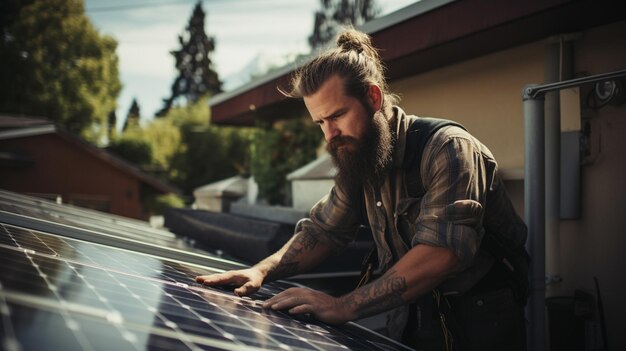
{"x":36,"y":207}
{"x":73,"y":292}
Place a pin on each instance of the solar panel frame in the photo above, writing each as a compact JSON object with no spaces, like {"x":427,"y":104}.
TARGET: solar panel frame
{"x":84,"y":213}
{"x":84,"y":216}
{"x":121,"y":242}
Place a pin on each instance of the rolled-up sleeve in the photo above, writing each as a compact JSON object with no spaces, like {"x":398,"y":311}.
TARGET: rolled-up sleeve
{"x":333,"y":220}
{"x":452,"y":209}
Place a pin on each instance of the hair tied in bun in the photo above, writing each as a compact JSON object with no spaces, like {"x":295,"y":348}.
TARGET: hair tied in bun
{"x":349,"y":43}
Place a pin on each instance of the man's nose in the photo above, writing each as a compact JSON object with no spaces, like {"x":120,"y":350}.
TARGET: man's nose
{"x":330,"y":131}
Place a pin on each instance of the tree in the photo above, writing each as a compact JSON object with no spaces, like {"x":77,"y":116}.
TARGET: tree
{"x":54,"y":63}
{"x":207,"y":153}
{"x":112,"y":125}
{"x":185,"y":149}
{"x":132,"y":117}
{"x":336,"y":13}
{"x":278,"y":150}
{"x":136,"y":151}
{"x":196,"y":76}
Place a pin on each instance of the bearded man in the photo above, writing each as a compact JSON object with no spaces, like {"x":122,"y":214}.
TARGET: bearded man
{"x":430,"y":247}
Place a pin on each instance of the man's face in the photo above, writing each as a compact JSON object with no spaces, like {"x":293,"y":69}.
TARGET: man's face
{"x":338,"y":115}
{"x":358,"y":139}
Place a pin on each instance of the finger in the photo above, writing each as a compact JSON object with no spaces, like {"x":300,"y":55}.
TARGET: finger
{"x":218,"y":279}
{"x":288,"y":303}
{"x":279,"y":297}
{"x":302,"y":309}
{"x":207,"y":279}
{"x":247,"y":289}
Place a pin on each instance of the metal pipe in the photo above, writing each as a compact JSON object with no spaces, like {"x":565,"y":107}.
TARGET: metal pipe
{"x":534,"y":211}
{"x":534,"y":90}
{"x":552,"y":68}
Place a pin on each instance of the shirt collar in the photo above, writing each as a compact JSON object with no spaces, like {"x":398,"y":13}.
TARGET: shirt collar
{"x":402,"y":125}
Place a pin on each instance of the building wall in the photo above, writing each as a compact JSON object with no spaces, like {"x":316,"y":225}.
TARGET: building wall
{"x":595,"y":244}
{"x":65,"y":169}
{"x":307,"y":192}
{"x":484,"y":94}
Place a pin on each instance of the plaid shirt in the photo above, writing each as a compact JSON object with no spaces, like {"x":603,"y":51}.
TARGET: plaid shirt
{"x":464,"y":194}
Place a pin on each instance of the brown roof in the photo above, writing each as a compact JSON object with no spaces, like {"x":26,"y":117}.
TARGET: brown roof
{"x":427,"y":35}
{"x":14,"y":127}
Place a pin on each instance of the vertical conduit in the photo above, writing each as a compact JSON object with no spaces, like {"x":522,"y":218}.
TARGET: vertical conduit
{"x":534,"y":210}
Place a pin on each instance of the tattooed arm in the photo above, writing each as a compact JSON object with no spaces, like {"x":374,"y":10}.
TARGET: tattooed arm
{"x":301,"y":253}
{"x":419,"y":271}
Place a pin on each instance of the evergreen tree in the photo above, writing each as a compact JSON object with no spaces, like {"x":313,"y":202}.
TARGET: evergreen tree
{"x":336,"y":13}
{"x":133,"y":115}
{"x":112,"y":125}
{"x":196,"y":76}
{"x":54,"y":63}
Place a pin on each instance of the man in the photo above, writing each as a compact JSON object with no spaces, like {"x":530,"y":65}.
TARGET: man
{"x":428,"y":247}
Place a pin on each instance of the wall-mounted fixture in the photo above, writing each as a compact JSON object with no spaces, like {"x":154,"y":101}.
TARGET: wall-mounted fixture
{"x":608,"y":92}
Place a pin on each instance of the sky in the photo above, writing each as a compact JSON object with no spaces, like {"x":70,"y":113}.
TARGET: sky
{"x":147,"y":30}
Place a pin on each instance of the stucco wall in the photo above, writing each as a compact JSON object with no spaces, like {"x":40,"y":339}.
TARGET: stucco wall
{"x":484,"y":94}
{"x":595,"y":244}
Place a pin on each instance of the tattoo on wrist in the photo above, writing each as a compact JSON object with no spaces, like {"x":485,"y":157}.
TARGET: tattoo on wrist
{"x":381,"y":295}
{"x":289,"y":263}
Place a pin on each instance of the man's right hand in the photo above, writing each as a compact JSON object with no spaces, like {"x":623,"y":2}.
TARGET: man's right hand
{"x":248,"y":281}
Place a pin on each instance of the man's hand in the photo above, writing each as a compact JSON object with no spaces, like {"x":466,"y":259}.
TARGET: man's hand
{"x":323,"y":307}
{"x":248,"y":281}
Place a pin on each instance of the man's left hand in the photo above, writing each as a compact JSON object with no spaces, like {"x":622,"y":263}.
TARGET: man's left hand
{"x":322,"y":306}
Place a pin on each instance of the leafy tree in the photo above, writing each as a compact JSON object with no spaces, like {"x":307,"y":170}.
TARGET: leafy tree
{"x":134,"y":150}
{"x":277,"y":151}
{"x":54,"y":63}
{"x":158,"y":205}
{"x":186,"y":147}
{"x":196,"y":76}
{"x":207,"y":153}
{"x":336,"y":13}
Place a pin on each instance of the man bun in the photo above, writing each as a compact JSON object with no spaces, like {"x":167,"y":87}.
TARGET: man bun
{"x":355,"y":60}
{"x":353,"y":40}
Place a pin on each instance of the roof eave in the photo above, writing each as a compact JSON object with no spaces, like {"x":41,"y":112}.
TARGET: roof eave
{"x":449,"y":32}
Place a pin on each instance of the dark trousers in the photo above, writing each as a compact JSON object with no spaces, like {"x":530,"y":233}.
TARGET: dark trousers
{"x":487,"y":317}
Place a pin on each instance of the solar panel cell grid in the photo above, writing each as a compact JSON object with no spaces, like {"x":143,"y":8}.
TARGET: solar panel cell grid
{"x":68,"y":294}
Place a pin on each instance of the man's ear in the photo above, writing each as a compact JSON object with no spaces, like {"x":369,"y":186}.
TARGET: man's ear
{"x":375,"y":97}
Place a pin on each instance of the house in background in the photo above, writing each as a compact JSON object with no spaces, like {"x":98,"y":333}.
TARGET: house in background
{"x":311,"y":182}
{"x":469,"y":60}
{"x":37,"y":158}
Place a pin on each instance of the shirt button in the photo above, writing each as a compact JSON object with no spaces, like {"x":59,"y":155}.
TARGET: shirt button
{"x":378,"y":204}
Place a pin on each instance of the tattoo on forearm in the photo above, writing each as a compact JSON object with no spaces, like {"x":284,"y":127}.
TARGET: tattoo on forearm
{"x":290,"y":264}
{"x":381,"y":295}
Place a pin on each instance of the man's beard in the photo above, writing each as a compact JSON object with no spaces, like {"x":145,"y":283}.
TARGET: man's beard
{"x":365,"y":160}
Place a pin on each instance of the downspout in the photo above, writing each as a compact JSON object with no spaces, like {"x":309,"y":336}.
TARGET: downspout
{"x":535,"y":213}
{"x":552,"y":73}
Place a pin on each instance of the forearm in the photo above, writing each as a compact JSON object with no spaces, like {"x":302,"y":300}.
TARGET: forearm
{"x":415,"y":274}
{"x":301,"y":253}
